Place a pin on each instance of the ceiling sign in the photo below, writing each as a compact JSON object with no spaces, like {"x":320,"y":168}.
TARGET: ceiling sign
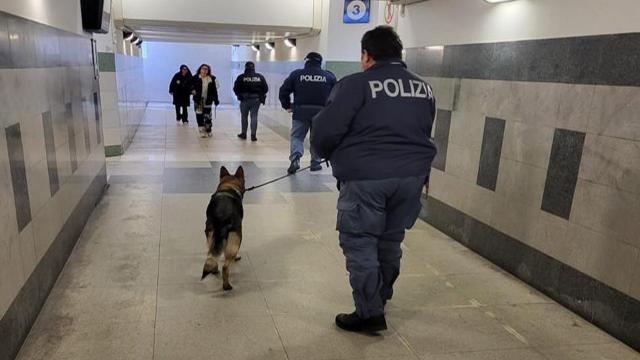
{"x":356,"y":11}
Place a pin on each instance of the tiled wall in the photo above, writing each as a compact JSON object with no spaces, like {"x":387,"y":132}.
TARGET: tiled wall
{"x":539,"y":165}
{"x":52,"y":165}
{"x":123,"y":99}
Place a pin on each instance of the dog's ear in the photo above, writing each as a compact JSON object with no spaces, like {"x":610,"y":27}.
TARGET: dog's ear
{"x":239,"y":173}
{"x":224,"y":172}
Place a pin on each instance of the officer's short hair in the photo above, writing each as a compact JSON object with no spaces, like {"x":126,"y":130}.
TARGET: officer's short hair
{"x":382,"y":43}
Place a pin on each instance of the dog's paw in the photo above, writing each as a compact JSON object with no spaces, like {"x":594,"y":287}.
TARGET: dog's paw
{"x":238,"y":258}
{"x":227,"y":287}
{"x":209,"y":271}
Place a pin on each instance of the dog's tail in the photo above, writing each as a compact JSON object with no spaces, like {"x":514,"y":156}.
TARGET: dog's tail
{"x":220,"y":235}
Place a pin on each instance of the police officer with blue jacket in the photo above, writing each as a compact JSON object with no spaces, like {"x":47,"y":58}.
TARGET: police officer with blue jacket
{"x":376,"y":131}
{"x":310,"y":87}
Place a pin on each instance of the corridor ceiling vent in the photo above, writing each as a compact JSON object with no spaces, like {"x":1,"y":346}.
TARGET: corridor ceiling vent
{"x":497,"y":1}
{"x":290,"y":42}
{"x":255,"y":47}
{"x":270,"y":45}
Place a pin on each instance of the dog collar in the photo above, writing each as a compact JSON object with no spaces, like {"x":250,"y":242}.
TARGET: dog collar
{"x":229,"y":193}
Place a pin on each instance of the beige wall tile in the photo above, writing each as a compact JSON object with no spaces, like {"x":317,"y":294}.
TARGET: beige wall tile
{"x":38,"y":184}
{"x":521,"y":183}
{"x":526,"y":143}
{"x":451,"y":190}
{"x":33,"y":145}
{"x":467,"y":129}
{"x":616,"y":112}
{"x":47,"y":223}
{"x":611,"y":162}
{"x":609,"y":260}
{"x":607,"y":210}
{"x":8,"y":223}
{"x":576,"y":106}
{"x":479,"y":203}
{"x":108,"y":81}
{"x":443,"y":90}
{"x":463,"y":162}
{"x":515,"y":219}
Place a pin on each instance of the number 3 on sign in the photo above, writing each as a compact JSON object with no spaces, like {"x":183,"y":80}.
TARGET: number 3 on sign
{"x":356,"y":11}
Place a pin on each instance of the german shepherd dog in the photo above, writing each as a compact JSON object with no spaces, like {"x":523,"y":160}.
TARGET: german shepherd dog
{"x":223,"y":227}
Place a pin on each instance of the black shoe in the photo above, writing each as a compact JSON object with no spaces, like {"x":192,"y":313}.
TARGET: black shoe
{"x":254,"y":138}
{"x":353,"y":322}
{"x":316,"y":167}
{"x":295,"y":166}
{"x":242,"y":136}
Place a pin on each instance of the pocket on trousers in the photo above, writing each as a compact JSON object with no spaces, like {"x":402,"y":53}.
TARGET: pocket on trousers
{"x":348,"y":218}
{"x":354,"y":218}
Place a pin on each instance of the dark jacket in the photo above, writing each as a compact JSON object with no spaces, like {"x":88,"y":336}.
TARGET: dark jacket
{"x":310,"y":87}
{"x":377,"y":125}
{"x":251,"y":85}
{"x":212,"y":91}
{"x":180,"y":87}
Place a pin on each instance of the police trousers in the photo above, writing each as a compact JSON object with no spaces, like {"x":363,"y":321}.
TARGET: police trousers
{"x":299,"y":130}
{"x":372,"y":218}
{"x":249,"y":107}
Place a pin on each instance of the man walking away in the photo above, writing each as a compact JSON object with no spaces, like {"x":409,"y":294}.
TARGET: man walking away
{"x":251,"y":89}
{"x":310,"y":87}
{"x":376,"y":130}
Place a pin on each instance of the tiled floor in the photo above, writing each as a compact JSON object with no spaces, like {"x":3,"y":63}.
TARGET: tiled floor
{"x":132,"y":289}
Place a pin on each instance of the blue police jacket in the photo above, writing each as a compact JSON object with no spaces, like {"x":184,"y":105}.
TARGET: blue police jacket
{"x":310,"y":87}
{"x":377,"y":125}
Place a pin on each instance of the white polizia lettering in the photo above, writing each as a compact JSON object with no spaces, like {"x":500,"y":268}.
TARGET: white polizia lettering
{"x":251,"y":79}
{"x":313,"y":78}
{"x":406,"y":88}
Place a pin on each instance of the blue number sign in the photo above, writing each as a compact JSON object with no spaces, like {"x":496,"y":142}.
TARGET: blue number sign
{"x":356,"y":11}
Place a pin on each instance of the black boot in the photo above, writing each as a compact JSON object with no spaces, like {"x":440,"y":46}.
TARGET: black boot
{"x":316,"y":167}
{"x":242,"y":136}
{"x":353,"y":322}
{"x":254,"y":138}
{"x":295,"y":166}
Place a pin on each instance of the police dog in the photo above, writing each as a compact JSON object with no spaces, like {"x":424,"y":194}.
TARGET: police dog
{"x":223,"y":227}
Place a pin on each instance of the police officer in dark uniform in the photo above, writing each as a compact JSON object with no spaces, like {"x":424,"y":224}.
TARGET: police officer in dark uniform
{"x":376,"y":130}
{"x":310,"y":87}
{"x":251,"y":89}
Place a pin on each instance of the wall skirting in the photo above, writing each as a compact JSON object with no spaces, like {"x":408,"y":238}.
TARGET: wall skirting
{"x":608,"y":308}
{"x":23,"y":312}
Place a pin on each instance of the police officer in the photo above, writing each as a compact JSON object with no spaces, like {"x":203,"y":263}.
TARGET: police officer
{"x":251,"y":89}
{"x":310,"y":87}
{"x":376,"y":130}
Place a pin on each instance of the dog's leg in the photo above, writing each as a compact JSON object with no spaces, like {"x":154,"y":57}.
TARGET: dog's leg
{"x":230,"y":255}
{"x":211,"y":265}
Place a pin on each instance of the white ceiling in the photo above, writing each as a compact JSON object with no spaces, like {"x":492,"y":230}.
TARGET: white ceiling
{"x":210,"y":33}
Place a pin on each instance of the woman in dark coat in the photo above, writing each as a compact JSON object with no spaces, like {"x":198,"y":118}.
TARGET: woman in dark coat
{"x":180,"y":88}
{"x":205,"y":92}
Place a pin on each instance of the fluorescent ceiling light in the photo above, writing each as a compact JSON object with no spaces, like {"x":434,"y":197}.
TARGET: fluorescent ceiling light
{"x":128,"y":35}
{"x":255,"y":47}
{"x":290,"y":42}
{"x":496,"y":1}
{"x":438,"y":47}
{"x":270,"y":45}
